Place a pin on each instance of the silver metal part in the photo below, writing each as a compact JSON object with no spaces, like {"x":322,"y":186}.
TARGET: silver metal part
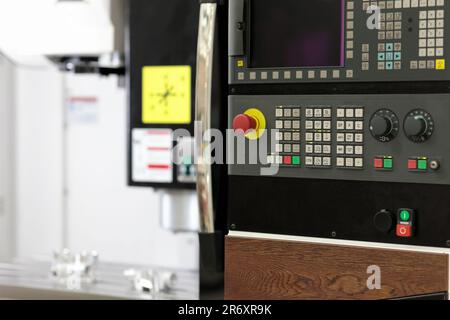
{"x":203,"y":93}
{"x":151,"y":281}
{"x":74,"y":269}
{"x":435,"y":165}
{"x":179,"y":211}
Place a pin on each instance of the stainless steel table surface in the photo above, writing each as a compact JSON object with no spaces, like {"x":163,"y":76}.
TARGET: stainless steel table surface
{"x":32,"y":281}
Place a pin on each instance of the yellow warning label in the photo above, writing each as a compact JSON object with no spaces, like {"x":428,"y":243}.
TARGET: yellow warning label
{"x":166,"y":94}
{"x":240,"y":63}
{"x":440,"y":64}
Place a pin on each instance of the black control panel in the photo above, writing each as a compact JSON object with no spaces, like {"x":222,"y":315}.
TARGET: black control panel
{"x":340,"y":41}
{"x":385,"y":138}
{"x":339,"y":209}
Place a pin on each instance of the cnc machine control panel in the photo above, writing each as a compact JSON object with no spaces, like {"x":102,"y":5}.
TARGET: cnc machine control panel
{"x":358,"y":167}
{"x":348,"y":102}
{"x":386,"y":138}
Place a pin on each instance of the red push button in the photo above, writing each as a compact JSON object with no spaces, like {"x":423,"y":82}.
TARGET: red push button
{"x":287,"y":160}
{"x":404,"y":231}
{"x":378,"y":163}
{"x":244,"y":123}
{"x":412,"y":164}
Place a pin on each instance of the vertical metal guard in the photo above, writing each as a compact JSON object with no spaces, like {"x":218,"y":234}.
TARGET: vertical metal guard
{"x":203,"y":95}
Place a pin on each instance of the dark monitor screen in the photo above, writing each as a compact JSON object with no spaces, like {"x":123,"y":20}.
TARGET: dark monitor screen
{"x":296,"y":33}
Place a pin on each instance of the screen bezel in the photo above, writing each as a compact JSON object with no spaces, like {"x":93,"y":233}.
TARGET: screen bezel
{"x":248,"y":42}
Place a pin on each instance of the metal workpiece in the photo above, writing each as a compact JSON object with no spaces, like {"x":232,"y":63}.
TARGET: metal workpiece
{"x":32,"y":280}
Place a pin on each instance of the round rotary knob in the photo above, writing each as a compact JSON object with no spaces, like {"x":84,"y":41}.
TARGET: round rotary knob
{"x":418,"y":126}
{"x":244,"y":123}
{"x":384,"y":125}
{"x":380,"y":126}
{"x":415,"y":126}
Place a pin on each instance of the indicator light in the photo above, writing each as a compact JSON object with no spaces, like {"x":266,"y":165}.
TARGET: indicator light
{"x":405,"y":215}
{"x":422,"y":164}
{"x":405,"y":223}
{"x":388,"y":163}
{"x":404,"y":231}
{"x":287,"y":160}
{"x":412,"y":164}
{"x":378,"y":163}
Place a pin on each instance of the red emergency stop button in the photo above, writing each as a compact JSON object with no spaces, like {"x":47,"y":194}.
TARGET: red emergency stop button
{"x":404,"y":231}
{"x":244,"y":123}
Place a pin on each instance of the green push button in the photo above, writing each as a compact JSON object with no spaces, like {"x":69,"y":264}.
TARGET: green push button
{"x":388,"y":163}
{"x":296,"y":160}
{"x":405,"y":215}
{"x":422,"y":164}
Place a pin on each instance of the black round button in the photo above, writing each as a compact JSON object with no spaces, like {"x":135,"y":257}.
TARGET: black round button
{"x":384,"y":221}
{"x":418,"y":126}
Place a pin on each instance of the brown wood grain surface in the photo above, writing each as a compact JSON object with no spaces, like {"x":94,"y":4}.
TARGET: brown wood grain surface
{"x":272,"y":270}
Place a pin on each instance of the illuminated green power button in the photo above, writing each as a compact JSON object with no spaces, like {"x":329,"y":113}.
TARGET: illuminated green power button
{"x":422,"y":164}
{"x":405,"y":215}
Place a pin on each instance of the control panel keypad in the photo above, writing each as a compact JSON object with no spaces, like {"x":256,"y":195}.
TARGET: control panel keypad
{"x":365,"y":57}
{"x":288,"y":136}
{"x":318,"y":137}
{"x":431,"y":37}
{"x":323,"y":136}
{"x":350,"y":137}
{"x":389,"y":56}
{"x":431,"y":33}
{"x":390,"y":26}
{"x":393,"y":23}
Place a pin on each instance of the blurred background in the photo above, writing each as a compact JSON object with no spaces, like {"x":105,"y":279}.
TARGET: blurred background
{"x":63,"y":172}
{"x":64,"y":141}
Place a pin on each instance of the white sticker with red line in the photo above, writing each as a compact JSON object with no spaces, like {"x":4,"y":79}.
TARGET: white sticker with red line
{"x":152,"y":156}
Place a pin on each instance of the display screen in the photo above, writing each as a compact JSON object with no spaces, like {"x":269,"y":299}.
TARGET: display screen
{"x":296,"y":33}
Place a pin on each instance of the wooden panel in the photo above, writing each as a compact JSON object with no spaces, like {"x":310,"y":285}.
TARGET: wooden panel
{"x":272,"y":270}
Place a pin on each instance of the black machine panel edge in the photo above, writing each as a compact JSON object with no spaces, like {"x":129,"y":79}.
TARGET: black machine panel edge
{"x":338,"y":209}
{"x":160,"y":33}
{"x":165,"y":33}
{"x":440,"y":296}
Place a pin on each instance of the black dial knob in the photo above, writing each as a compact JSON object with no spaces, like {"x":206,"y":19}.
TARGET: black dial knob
{"x":415,"y":126}
{"x":383,"y":221}
{"x":380,"y":126}
{"x":418,"y":126}
{"x":384,"y":125}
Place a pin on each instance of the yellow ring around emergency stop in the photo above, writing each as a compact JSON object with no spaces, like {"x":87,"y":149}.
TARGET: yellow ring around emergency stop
{"x":260,"y":124}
